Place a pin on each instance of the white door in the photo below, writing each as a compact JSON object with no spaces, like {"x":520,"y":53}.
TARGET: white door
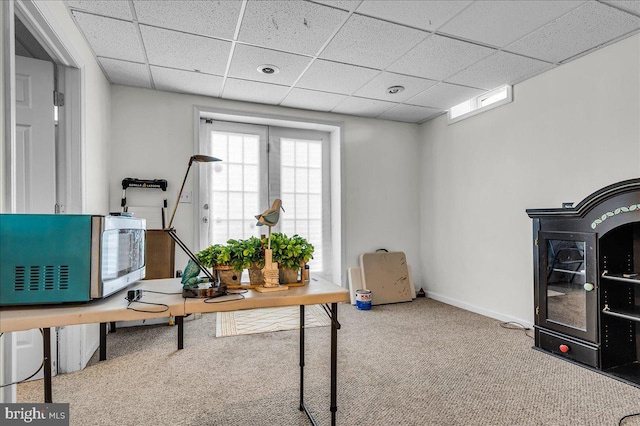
{"x":35,"y":137}
{"x":35,"y":179}
{"x":234,"y":190}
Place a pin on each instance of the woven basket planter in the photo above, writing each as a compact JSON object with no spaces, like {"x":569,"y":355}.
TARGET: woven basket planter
{"x":228,"y":276}
{"x":289,"y":276}
{"x":256,"y":277}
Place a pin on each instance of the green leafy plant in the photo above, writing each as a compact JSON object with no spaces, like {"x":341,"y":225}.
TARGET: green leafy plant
{"x":290,"y":252}
{"x":239,"y":254}
{"x":209,"y":256}
{"x":215,"y":255}
{"x":253,"y":251}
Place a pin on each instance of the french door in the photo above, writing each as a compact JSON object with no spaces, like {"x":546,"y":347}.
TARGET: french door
{"x":260,"y":164}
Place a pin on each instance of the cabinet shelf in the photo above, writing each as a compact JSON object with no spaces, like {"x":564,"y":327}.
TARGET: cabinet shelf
{"x":566,"y":271}
{"x":627,"y":278}
{"x":631,"y":313}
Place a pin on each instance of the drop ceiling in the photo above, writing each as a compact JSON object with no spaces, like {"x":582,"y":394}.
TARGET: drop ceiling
{"x":342,"y":55}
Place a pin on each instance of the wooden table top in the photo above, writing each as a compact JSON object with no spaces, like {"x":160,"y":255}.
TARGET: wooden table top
{"x":114,"y":307}
{"x":315,"y":292}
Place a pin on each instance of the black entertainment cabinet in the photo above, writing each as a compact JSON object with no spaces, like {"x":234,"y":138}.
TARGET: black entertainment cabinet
{"x":587,"y":280}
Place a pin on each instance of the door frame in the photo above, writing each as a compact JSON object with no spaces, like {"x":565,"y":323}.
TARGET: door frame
{"x":36,"y":17}
{"x":337,"y":171}
{"x":71,"y":117}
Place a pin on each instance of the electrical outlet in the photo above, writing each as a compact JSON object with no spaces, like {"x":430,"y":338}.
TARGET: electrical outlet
{"x":185,"y":197}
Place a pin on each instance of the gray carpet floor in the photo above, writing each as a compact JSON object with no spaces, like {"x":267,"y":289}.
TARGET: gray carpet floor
{"x":417,"y":363}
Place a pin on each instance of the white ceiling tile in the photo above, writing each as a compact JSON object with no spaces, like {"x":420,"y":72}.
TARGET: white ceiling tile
{"x":185,"y":51}
{"x":499,"y":69}
{"x":409,"y":113}
{"x":311,"y":99}
{"x":426,"y":15}
{"x":438,"y":57}
{"x":363,"y":107}
{"x":113,"y":8}
{"x":172,"y":80}
{"x":631,"y":6}
{"x":111,"y":38}
{"x":126,"y":73}
{"x":377,"y":87}
{"x":445,"y":95}
{"x":246,"y":60}
{"x":181,"y":36}
{"x":253,"y":91}
{"x":499,"y":23}
{"x":588,"y":26}
{"x":334,"y":77}
{"x":212,"y":18}
{"x":371,"y":42}
{"x":297,"y":27}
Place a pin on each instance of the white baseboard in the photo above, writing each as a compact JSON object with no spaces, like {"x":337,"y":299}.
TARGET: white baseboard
{"x":477,"y":309}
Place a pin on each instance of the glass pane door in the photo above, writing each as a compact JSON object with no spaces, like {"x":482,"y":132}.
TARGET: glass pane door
{"x":260,"y":164}
{"x":234,"y":190}
{"x":568,"y":283}
{"x":566,"y":277}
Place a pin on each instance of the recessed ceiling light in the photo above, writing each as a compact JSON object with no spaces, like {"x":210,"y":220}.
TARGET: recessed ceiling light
{"x":268,"y":69}
{"x":394,"y":90}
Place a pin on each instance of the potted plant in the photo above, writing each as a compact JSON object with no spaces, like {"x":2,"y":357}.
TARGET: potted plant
{"x":253,"y":252}
{"x":209,"y":256}
{"x":291,"y":253}
{"x":221,"y":259}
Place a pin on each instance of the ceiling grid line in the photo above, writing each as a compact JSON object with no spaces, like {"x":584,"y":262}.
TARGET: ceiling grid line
{"x":144,"y":49}
{"x":233,"y":46}
{"x":317,"y":54}
{"x":342,"y":55}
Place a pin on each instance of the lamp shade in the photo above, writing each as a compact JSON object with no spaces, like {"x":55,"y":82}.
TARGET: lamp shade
{"x":199,"y":158}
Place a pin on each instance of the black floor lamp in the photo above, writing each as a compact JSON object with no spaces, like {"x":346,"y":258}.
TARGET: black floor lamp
{"x":206,"y":292}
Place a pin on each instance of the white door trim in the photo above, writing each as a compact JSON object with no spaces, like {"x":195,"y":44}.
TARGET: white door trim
{"x":338,"y":183}
{"x":57,"y":45}
{"x":9,"y":71}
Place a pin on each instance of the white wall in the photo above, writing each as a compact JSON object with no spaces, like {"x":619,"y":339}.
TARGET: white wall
{"x":152,"y":135}
{"x":569,"y":132}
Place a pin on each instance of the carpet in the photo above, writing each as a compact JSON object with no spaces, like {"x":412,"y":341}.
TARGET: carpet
{"x":266,"y":320}
{"x":422,"y":363}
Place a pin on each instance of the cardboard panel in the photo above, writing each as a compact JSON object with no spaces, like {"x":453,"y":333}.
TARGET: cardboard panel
{"x":387,"y":276}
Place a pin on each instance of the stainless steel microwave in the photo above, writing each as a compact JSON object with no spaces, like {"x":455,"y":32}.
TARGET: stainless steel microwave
{"x":46,"y":258}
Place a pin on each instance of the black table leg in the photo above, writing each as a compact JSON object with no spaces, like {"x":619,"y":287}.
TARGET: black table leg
{"x":103,"y":341}
{"x":334,"y":361}
{"x":112,"y":328}
{"x":335,"y":326}
{"x":180,"y":321}
{"x":46,"y":342}
{"x":301,"y":357}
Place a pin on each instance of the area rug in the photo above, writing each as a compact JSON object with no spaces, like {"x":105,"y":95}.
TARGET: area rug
{"x":266,"y":320}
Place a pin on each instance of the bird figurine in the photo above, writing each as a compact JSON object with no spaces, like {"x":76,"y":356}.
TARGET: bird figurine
{"x":270,"y":272}
{"x":270,"y":216}
{"x":190,"y":277}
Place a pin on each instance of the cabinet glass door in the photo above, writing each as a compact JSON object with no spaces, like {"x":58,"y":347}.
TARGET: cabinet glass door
{"x":567,"y":292}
